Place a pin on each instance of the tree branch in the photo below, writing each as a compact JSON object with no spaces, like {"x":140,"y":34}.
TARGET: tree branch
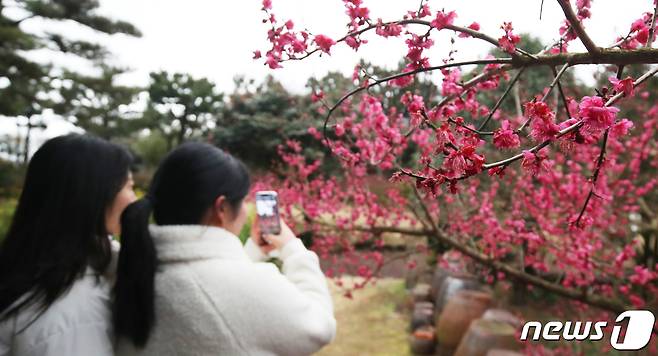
{"x":451,"y":120}
{"x":571,"y":128}
{"x":460,"y":29}
{"x":574,"y":294}
{"x":564,"y":97}
{"x":426,"y":211}
{"x":599,"y":164}
{"x":637,"y":82}
{"x":595,"y":177}
{"x":534,"y":149}
{"x":555,"y":81}
{"x":404,"y":74}
{"x":538,"y":147}
{"x":500,"y":100}
{"x":607,"y":56}
{"x":578,"y":27}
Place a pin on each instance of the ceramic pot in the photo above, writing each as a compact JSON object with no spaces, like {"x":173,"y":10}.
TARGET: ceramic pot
{"x":423,"y":341}
{"x":501,"y":352}
{"x":504,"y":316}
{"x":462,"y":308}
{"x":421,"y":293}
{"x":422,"y":315}
{"x":440,"y":274}
{"x":452,"y":284}
{"x":486,"y":335}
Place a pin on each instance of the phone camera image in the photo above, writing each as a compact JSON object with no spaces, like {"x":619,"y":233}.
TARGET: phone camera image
{"x":267,"y":208}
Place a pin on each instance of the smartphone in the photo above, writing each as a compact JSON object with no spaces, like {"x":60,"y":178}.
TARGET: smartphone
{"x":267,"y":208}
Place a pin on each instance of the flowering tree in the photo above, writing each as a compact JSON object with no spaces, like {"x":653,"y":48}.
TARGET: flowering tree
{"x":560,"y":196}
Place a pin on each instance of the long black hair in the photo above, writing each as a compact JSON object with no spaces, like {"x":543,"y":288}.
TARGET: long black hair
{"x":184,"y":188}
{"x":58,"y":228}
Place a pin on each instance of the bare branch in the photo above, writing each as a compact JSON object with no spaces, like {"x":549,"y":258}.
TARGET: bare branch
{"x":451,"y":120}
{"x":595,"y":176}
{"x":556,"y":80}
{"x":477,"y":132}
{"x":564,"y":97}
{"x":375,"y":229}
{"x":410,"y":174}
{"x":500,"y":100}
{"x":426,"y":211}
{"x":605,"y":56}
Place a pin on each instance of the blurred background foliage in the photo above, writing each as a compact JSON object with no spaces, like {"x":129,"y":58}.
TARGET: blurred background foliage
{"x":251,"y":121}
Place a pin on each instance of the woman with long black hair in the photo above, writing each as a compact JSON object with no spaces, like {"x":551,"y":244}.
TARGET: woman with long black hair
{"x":187,"y":286}
{"x":55,"y":259}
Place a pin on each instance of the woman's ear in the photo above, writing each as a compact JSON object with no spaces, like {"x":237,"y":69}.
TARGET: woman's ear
{"x":220,"y":210}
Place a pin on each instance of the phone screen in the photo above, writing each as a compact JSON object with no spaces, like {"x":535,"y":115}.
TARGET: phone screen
{"x":267,"y":208}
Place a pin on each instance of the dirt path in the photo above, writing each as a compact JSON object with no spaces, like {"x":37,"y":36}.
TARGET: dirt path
{"x":372,"y":323}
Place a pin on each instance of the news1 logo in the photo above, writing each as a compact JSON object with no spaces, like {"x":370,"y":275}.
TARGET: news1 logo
{"x":637,"y":336}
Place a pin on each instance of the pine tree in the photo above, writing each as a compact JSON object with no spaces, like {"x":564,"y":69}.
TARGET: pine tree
{"x":25,"y":83}
{"x":181,"y":106}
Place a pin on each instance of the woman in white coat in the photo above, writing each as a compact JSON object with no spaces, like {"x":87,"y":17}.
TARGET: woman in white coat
{"x":56,"y":258}
{"x":187,"y":286}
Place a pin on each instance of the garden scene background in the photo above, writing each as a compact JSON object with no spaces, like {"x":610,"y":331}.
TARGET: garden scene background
{"x":501,"y":179}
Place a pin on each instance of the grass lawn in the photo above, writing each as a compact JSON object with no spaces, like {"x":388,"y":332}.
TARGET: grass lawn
{"x":373,"y":322}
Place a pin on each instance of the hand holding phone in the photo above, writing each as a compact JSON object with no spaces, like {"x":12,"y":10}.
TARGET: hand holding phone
{"x":267,"y":210}
{"x":269,"y":242}
{"x":269,"y":230}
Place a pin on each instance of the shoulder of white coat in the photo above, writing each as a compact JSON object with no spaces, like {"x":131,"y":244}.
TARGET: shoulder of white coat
{"x":6,"y":333}
{"x":86,"y":303}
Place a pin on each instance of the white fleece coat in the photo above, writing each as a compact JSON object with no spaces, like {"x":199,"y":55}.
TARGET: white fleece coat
{"x":213,"y":298}
{"x":77,"y":323}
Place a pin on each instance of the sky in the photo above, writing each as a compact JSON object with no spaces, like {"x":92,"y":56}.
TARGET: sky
{"x":216,"y":39}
